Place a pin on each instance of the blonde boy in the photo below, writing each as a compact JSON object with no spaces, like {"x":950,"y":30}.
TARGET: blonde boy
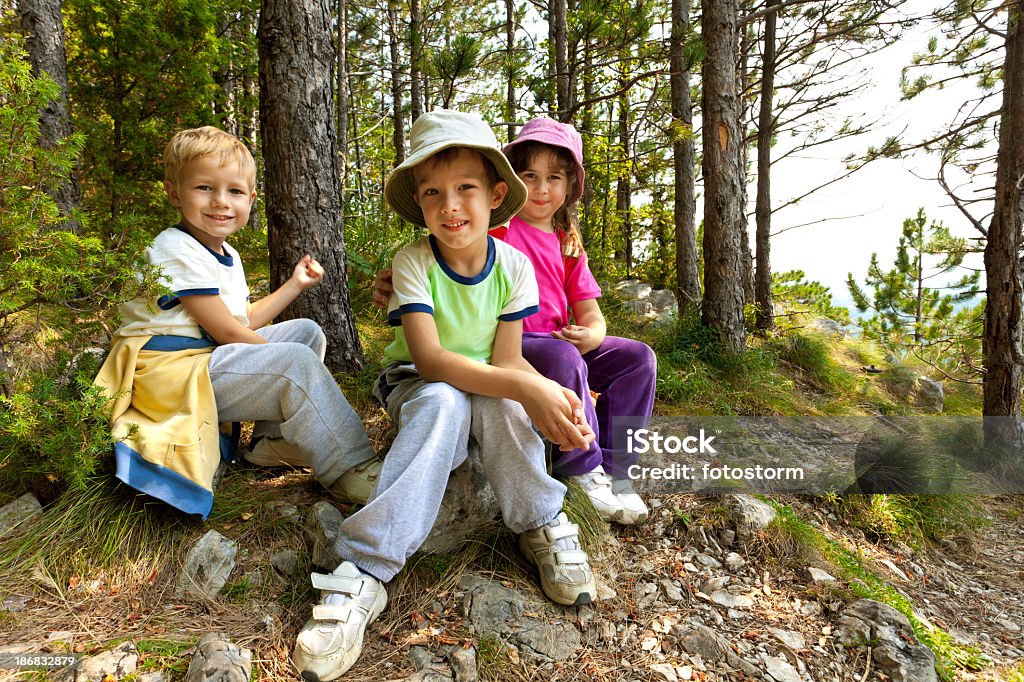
{"x":273,"y":375}
{"x":456,"y":382}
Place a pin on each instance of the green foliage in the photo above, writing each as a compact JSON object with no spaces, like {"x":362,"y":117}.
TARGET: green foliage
{"x":909,"y":310}
{"x":917,"y":519}
{"x":796,"y":293}
{"x":812,"y":355}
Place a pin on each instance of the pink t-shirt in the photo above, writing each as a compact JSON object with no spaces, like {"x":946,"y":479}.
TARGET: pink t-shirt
{"x":561,"y":280}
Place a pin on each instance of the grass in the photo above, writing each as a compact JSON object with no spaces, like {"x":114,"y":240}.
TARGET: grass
{"x":915,"y":519}
{"x":163,"y":655}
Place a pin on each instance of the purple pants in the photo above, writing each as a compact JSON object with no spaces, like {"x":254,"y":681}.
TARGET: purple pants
{"x":622,"y":371}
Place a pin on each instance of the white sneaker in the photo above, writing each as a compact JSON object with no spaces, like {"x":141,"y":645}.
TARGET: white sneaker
{"x":565,"y":575}
{"x":634,"y":509}
{"x":599,"y":489}
{"x":331,"y":641}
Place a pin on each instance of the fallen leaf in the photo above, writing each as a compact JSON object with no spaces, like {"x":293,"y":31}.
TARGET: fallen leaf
{"x":74,"y":581}
{"x":246,"y":516}
{"x":513,"y":655}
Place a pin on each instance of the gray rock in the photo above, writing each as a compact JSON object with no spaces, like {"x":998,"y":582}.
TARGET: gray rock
{"x":734,"y":561}
{"x":463,"y":663}
{"x":118,"y":662}
{"x":730,"y":600}
{"x":641,"y":308}
{"x":894,"y":648}
{"x":671,"y":591}
{"x":828,"y":327}
{"x":155,"y":676}
{"x":664,"y":302}
{"x":217,"y":659}
{"x":18,"y":511}
{"x":702,"y":641}
{"x":286,"y":562}
{"x":490,"y":606}
{"x":469,"y":509}
{"x":820,"y":576}
{"x":323,"y":523}
{"x":780,"y":670}
{"x":208,"y":565}
{"x":632,"y":290}
{"x":421,"y":657}
{"x":665,"y":672}
{"x":749,"y":514}
{"x":547,"y":641}
{"x":793,"y":640}
{"x":929,"y":395}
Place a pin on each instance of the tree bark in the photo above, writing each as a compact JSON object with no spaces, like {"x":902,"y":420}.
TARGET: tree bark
{"x":743,"y":87}
{"x":43,"y":26}
{"x":684,"y":160}
{"x":303,"y":201}
{"x":343,"y":106}
{"x":624,"y":185}
{"x":1002,"y":336}
{"x":510,"y":56}
{"x":765,"y":316}
{"x":398,"y":116}
{"x":559,"y":31}
{"x":415,"y":60}
{"x":722,"y":306}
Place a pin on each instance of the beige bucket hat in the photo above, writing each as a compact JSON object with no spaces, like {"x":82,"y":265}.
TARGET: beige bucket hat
{"x":440,"y":129}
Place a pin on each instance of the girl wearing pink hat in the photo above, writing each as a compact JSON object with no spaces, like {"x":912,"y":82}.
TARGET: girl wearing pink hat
{"x":548,"y":157}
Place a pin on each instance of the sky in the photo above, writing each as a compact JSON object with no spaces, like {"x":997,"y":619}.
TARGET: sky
{"x":879,"y":197}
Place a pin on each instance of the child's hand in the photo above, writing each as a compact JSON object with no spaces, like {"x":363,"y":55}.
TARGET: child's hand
{"x":579,"y":336}
{"x":382,"y":288}
{"x":554,"y":410}
{"x":307,"y":273}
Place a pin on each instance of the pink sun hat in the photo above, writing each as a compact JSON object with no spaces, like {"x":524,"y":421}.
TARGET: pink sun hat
{"x":550,"y":131}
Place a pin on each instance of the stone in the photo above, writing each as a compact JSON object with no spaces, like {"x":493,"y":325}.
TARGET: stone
{"x":543,"y":642}
{"x":285,"y":562}
{"x":793,"y":640}
{"x":323,"y":522}
{"x":730,"y":600}
{"x":641,"y":308}
{"x":632,"y":290}
{"x":702,"y":641}
{"x":463,"y":663}
{"x":118,"y":662}
{"x":671,"y":591}
{"x":780,"y":670}
{"x":894,"y":648}
{"x":929,"y":395}
{"x":208,"y":565}
{"x":734,"y":561}
{"x":828,"y":327}
{"x":664,"y":671}
{"x":421,"y":657}
{"x":490,"y":606}
{"x":749,"y":514}
{"x":18,"y":511}
{"x":468,"y":510}
{"x":820,"y":576}
{"x":217,"y":659}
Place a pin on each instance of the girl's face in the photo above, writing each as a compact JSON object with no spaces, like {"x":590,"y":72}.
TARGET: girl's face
{"x":548,"y":184}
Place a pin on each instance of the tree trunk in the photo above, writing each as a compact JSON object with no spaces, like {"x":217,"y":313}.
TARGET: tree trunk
{"x":684,"y":161}
{"x":559,"y":32}
{"x":743,"y":86}
{"x":43,"y":25}
{"x":1002,"y":336}
{"x":398,"y":116}
{"x":722,"y":306}
{"x":586,"y":218}
{"x":415,"y":60}
{"x":765,"y":318}
{"x":303,"y":201}
{"x":624,"y":185}
{"x":510,"y":56}
{"x":343,"y":106}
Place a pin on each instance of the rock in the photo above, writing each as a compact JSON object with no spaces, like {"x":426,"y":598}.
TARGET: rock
{"x":665,"y":672}
{"x":421,"y":657}
{"x":323,"y":523}
{"x":18,"y":511}
{"x":726,"y":536}
{"x":286,"y":562}
{"x":671,"y":591}
{"x":208,"y":565}
{"x":664,"y":301}
{"x":749,"y":514}
{"x":217,"y":659}
{"x":118,"y":662}
{"x":702,"y":641}
{"x":828,"y":327}
{"x":793,"y":640}
{"x":463,"y":663}
{"x":490,"y":606}
{"x":894,"y":648}
{"x":632,"y":290}
{"x":547,"y":641}
{"x":820,"y":576}
{"x":639,"y":308}
{"x":928,"y":394}
{"x":155,"y":676}
{"x":730,"y":600}
{"x":734,"y":561}
{"x":780,"y":670}
{"x":469,"y":509}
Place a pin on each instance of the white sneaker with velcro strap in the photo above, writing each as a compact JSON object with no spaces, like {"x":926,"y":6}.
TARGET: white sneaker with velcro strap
{"x":565,"y":575}
{"x":331,"y":641}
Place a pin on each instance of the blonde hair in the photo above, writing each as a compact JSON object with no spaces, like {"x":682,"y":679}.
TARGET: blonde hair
{"x":196,"y":143}
{"x":566,"y":220}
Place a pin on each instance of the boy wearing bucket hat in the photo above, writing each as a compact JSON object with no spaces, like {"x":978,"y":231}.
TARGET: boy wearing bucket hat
{"x":456,"y":383}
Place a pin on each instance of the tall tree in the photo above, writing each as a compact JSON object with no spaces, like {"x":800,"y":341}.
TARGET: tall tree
{"x":43,"y":25}
{"x":415,"y":60}
{"x":765,"y":315}
{"x":398,"y":115}
{"x":558,"y":30}
{"x":722,"y":306}
{"x":1003,"y":325}
{"x":684,"y":158}
{"x":303,"y":200}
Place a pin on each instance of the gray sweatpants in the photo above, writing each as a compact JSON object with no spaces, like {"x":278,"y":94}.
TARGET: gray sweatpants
{"x":284,"y":386}
{"x":438,"y":424}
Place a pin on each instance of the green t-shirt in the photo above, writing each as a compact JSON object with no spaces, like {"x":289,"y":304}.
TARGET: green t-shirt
{"x":466,"y":310}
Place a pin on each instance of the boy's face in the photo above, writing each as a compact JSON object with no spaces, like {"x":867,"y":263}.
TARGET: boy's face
{"x":456,"y":199}
{"x":214,"y":200}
